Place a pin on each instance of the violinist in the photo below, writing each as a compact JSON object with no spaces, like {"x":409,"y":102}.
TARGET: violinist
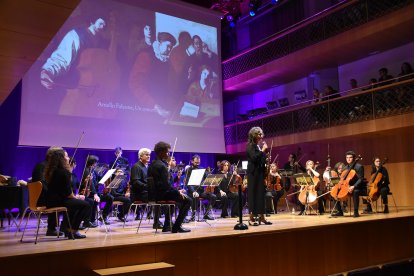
{"x":120,"y":161}
{"x":74,"y":178}
{"x":383,"y":184}
{"x":195,"y":192}
{"x":256,"y":168}
{"x":274,"y":190}
{"x":90,"y":186}
{"x":356,"y":186}
{"x":139,"y":184}
{"x":163,"y":190}
{"x":57,"y":174}
{"x":119,"y":194}
{"x":223,"y":192}
{"x":38,"y":175}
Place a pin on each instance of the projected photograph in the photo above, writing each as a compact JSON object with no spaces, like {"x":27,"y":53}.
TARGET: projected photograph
{"x":129,"y":65}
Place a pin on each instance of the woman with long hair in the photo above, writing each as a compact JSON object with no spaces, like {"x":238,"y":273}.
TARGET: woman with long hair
{"x":256,"y":167}
{"x":58,"y":177}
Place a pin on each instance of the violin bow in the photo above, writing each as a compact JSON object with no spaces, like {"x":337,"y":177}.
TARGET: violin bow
{"x":77,"y":146}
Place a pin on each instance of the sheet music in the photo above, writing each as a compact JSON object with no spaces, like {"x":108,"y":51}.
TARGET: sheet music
{"x":106,"y":176}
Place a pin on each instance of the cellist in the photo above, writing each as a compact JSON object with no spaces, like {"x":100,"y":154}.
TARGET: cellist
{"x":382,"y":185}
{"x":356,"y":186}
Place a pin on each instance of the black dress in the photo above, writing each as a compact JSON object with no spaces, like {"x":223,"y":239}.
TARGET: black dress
{"x":255,"y":179}
{"x":59,"y":189}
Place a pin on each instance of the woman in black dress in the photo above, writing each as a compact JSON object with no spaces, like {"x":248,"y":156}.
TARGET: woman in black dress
{"x":58,"y":177}
{"x":256,"y":168}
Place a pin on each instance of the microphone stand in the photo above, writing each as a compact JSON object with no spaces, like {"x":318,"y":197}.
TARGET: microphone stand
{"x":240,"y":225}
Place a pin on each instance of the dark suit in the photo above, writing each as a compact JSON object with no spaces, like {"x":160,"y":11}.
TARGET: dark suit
{"x":255,"y":179}
{"x":163,"y":191}
{"x":138,"y":181}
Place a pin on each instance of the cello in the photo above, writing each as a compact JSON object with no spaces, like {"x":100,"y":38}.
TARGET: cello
{"x":340,"y":191}
{"x":308,"y":194}
{"x":374,"y":184}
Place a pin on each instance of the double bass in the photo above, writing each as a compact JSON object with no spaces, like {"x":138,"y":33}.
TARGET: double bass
{"x":374,"y":183}
{"x":340,"y":191}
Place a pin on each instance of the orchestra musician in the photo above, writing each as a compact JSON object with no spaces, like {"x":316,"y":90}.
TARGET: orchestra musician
{"x":38,"y":175}
{"x":383,"y":185}
{"x":195,"y":192}
{"x":294,"y":167}
{"x":256,"y":157}
{"x":139,"y":185}
{"x":311,"y":170}
{"x":223,"y":192}
{"x":90,"y":179}
{"x":356,"y":186}
{"x":163,"y":190}
{"x":119,"y":194}
{"x":274,"y":190}
{"x":59,"y":193}
{"x":120,"y":161}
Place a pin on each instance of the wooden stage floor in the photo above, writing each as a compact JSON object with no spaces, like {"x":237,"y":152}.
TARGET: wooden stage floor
{"x":288,"y":230}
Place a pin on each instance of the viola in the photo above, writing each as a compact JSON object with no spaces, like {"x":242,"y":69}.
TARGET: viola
{"x":340,"y":191}
{"x":237,"y":180}
{"x":374,"y":184}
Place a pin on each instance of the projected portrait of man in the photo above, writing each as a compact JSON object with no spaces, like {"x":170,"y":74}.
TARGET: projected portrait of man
{"x":148,"y":80}
{"x":66,"y":56}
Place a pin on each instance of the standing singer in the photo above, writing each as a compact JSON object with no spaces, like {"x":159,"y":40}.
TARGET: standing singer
{"x":256,"y":168}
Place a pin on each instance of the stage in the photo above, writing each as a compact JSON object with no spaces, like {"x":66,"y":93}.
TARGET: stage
{"x":293,"y":245}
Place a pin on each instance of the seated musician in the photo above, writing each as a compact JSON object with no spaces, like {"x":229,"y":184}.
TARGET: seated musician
{"x":311,"y":170}
{"x":294,"y":167}
{"x":274,"y":190}
{"x":139,"y":185}
{"x":223,"y":192}
{"x":74,"y":178}
{"x":195,"y":192}
{"x":120,"y":161}
{"x":383,"y":185}
{"x":93,"y":196}
{"x":59,"y":193}
{"x":356,"y":185}
{"x":163,"y":190}
{"x":120,"y":194}
{"x":339,"y":168}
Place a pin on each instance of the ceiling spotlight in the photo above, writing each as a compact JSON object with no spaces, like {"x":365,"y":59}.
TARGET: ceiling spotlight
{"x":254,"y":6}
{"x":229,"y":18}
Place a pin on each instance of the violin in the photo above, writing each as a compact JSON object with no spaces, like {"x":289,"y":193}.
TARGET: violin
{"x":340,"y":191}
{"x":375,"y":183}
{"x":237,"y":180}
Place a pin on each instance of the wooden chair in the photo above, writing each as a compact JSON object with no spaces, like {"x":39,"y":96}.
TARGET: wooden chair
{"x":35,"y":189}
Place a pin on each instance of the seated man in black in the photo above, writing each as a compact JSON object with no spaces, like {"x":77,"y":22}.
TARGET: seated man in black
{"x":120,"y":194}
{"x":139,"y":185}
{"x":158,"y":171}
{"x":198,"y":191}
{"x":92,"y":194}
{"x":357,"y":184}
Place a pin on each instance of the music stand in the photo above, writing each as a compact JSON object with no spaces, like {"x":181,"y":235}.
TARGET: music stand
{"x":212,"y":180}
{"x":116,"y":182}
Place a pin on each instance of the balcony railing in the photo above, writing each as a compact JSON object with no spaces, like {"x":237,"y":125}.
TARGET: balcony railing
{"x":387,"y":100}
{"x":311,"y":32}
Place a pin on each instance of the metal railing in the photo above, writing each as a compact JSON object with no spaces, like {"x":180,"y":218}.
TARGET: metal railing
{"x":386,"y":100}
{"x":311,"y":32}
